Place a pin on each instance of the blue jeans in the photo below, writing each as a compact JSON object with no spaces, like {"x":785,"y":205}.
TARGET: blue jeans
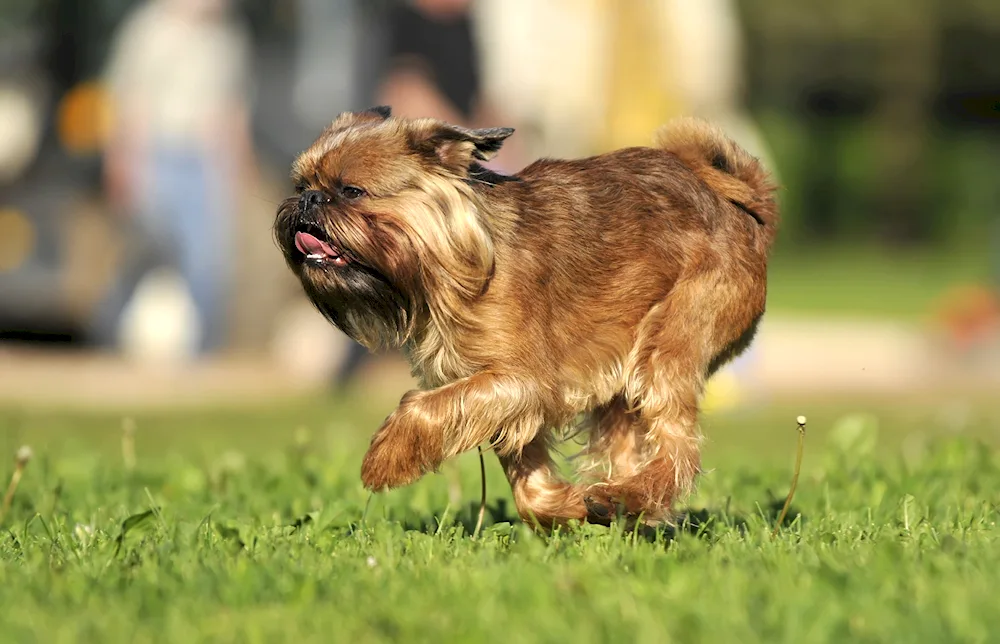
{"x":183,"y":221}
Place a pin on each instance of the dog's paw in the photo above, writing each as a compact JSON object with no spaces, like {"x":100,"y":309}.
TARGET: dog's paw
{"x":388,"y":465}
{"x":400,"y":453}
{"x":601,"y":507}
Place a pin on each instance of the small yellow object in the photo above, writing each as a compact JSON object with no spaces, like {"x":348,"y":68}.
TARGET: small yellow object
{"x":722,"y":392}
{"x":83,"y":118}
{"x":801,"y":420}
{"x":17,"y":239}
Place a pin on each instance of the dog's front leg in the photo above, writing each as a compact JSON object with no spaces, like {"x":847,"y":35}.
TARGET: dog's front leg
{"x":430,"y":426}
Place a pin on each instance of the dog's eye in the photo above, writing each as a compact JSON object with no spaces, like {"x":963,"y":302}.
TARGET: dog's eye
{"x":351,"y":192}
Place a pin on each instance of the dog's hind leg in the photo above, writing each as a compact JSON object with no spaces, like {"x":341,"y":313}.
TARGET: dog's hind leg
{"x":615,"y":454}
{"x":542,"y":496}
{"x":650,"y":439}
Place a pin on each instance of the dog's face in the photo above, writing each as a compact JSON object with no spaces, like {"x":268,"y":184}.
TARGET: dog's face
{"x":384,"y":223}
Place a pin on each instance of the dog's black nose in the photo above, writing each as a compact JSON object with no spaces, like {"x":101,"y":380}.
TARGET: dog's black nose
{"x":310,"y":198}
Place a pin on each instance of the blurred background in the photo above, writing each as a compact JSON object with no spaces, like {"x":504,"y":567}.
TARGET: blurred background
{"x":144,"y":146}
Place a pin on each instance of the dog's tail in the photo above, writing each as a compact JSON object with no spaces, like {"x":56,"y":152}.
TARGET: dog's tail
{"x":724,"y":166}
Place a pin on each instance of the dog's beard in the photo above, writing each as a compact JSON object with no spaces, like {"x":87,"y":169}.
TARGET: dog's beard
{"x":359,"y":293}
{"x":404,"y":269}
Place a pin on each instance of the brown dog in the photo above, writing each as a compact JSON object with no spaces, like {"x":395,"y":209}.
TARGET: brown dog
{"x":610,"y":287}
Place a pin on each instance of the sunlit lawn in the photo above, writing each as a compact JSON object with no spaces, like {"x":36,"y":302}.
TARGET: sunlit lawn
{"x":258,"y":535}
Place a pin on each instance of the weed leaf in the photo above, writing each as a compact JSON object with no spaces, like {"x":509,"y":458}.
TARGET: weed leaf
{"x":132,"y":523}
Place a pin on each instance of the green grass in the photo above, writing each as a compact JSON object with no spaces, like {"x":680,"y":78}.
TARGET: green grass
{"x":258,"y":536}
{"x":870,"y":282}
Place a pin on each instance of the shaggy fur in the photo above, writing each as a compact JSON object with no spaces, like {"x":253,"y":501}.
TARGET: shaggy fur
{"x":608,"y":288}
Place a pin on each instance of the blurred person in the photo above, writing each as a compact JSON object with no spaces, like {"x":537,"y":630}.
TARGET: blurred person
{"x":433,"y":70}
{"x":178,"y":152}
{"x":548,"y":63}
{"x":593,"y":75}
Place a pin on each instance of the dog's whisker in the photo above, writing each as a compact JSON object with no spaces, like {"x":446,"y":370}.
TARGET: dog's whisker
{"x":265,"y":200}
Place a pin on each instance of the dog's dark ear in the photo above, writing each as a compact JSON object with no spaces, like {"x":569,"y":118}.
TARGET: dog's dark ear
{"x":385,"y":111}
{"x":455,"y":146}
{"x":487,"y":141}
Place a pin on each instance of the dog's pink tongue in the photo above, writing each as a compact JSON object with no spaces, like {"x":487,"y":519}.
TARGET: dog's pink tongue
{"x":310,"y":245}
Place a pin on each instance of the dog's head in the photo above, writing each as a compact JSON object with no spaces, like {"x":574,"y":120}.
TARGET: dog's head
{"x":384,"y":223}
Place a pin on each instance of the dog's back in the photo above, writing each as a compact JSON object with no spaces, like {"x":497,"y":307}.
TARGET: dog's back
{"x":688,"y":158}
